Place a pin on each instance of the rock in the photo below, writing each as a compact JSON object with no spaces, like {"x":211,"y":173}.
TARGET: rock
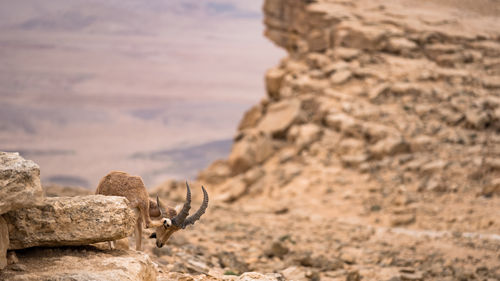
{"x":491,"y":189}
{"x":389,"y":146}
{"x":340,"y":77}
{"x":345,"y":53}
{"x":250,"y":118}
{"x":280,"y":116}
{"x":417,"y":276}
{"x":77,"y":220}
{"x":354,"y":160}
{"x":232,"y":262}
{"x":477,"y":119}
{"x":18,"y":267}
{"x":251,"y":150}
{"x":491,"y":82}
{"x":379,"y":91}
{"x":4,"y":242}
{"x":306,"y":134}
{"x":403,"y":219}
{"x":433,"y":167}
{"x":318,"y":40}
{"x":400,"y":45}
{"x":19,"y":182}
{"x":197,"y":266}
{"x":65,"y":191}
{"x":353,"y":276}
{"x":254,"y":276}
{"x":344,"y":123}
{"x":82,"y":265}
{"x":216,"y":173}
{"x":317,"y":60}
{"x":407,"y":89}
{"x":355,"y":35}
{"x":421,"y":143}
{"x":277,"y":249}
{"x":321,"y":262}
{"x":12,"y":258}
{"x":274,"y":77}
{"x":294,"y":273}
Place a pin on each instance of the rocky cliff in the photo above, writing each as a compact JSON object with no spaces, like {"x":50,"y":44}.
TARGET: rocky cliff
{"x":389,"y":97}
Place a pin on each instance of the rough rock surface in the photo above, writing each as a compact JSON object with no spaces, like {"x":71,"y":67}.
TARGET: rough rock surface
{"x":400,"y":97}
{"x":80,"y":264}
{"x":77,"y":220}
{"x":4,"y":242}
{"x":19,"y":182}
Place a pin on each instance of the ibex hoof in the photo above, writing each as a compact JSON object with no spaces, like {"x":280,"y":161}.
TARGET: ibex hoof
{"x":166,"y":222}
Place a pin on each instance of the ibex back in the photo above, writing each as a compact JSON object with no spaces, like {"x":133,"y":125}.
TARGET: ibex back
{"x":168,"y":221}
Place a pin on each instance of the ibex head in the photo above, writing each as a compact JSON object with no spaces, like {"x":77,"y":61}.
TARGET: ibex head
{"x":176,"y":221}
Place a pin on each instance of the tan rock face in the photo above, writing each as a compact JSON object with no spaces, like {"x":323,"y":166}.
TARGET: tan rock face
{"x":280,"y":116}
{"x":77,"y":220}
{"x":82,"y":264}
{"x":4,"y":242}
{"x":19,"y":182}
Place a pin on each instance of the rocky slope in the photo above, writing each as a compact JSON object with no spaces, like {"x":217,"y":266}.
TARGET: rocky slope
{"x":402,"y":99}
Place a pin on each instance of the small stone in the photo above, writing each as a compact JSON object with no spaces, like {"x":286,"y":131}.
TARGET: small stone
{"x":274,"y":77}
{"x":400,"y":45}
{"x":18,"y":267}
{"x":434,"y":167}
{"x":294,"y":273}
{"x":277,"y":249}
{"x":493,"y":188}
{"x":348,"y":258}
{"x":417,"y":276}
{"x":197,"y":266}
{"x":353,"y":276}
{"x":232,"y":262}
{"x":12,"y":258}
{"x":254,"y":276}
{"x":403,"y":219}
{"x":340,"y":77}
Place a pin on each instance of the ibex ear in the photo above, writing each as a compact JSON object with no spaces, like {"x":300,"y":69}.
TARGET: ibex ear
{"x":153,"y":235}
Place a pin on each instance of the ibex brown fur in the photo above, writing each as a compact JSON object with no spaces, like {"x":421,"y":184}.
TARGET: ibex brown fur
{"x":118,"y":183}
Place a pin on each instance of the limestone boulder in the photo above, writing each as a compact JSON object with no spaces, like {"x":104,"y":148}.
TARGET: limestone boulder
{"x":280,"y":116}
{"x":4,"y":242}
{"x":81,"y":264}
{"x":249,"y":151}
{"x":274,"y":77}
{"x":251,"y":118}
{"x":19,"y":182}
{"x":79,"y":220}
{"x":358,"y":36}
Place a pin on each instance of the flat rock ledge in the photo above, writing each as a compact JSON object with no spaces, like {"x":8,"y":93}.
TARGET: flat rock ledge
{"x":80,"y":264}
{"x":70,"y":221}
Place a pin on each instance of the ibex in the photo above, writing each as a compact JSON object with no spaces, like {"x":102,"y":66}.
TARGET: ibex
{"x":132,"y":187}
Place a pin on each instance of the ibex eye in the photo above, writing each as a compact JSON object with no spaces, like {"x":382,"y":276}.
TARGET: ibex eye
{"x":153,"y":235}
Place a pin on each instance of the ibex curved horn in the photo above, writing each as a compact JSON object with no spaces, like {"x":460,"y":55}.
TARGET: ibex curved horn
{"x":192,"y":219}
{"x":160,"y":206}
{"x":181,"y":217}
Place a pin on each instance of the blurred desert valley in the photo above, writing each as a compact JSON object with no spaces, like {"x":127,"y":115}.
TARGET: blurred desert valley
{"x":156,"y":88}
{"x":338,"y":140}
